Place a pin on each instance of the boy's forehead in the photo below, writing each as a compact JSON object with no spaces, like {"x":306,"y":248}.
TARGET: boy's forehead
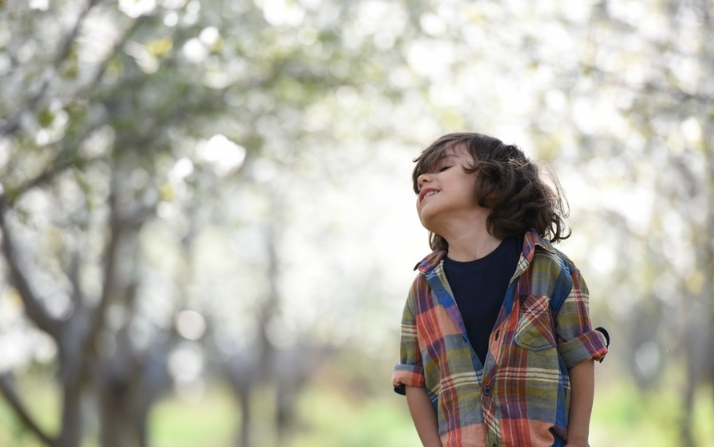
{"x":458,"y":151}
{"x":455,"y":150}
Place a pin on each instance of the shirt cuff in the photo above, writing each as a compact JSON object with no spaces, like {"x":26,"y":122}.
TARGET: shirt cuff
{"x":407,"y":375}
{"x":590,"y":345}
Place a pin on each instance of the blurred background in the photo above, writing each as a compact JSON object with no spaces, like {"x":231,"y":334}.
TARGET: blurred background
{"x":208,"y":229}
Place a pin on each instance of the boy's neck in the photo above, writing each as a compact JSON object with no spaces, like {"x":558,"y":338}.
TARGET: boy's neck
{"x":472,"y":244}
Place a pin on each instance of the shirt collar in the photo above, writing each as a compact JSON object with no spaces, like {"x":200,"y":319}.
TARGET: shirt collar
{"x":432,"y":260}
{"x":530,"y":242}
{"x":533,"y":240}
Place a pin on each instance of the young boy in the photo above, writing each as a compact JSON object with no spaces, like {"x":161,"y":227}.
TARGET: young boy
{"x":497,"y":347}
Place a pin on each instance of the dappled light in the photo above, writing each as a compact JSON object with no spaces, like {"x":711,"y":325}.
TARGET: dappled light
{"x":190,"y":324}
{"x":208,"y":228}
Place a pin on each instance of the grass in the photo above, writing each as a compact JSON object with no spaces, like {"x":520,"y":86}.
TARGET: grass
{"x":336,"y":415}
{"x":624,"y":417}
{"x":40,"y":398}
{"x":330,"y":418}
{"x":209,"y":422}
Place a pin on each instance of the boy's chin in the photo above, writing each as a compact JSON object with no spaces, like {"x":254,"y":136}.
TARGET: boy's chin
{"x":428,"y":223}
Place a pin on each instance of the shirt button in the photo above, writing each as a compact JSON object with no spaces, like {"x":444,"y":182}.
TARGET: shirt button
{"x":486,"y":390}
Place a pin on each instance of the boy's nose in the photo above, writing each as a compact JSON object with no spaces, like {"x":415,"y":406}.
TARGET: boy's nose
{"x":424,"y":178}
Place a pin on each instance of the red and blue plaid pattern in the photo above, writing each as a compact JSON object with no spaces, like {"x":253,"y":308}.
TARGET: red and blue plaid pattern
{"x":520,"y":396}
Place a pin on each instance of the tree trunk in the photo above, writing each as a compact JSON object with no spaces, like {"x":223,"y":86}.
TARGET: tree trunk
{"x":243,"y":438}
{"x":123,"y":411}
{"x":71,"y":434}
{"x":690,"y":383}
{"x":708,"y":148}
{"x":115,"y":431}
{"x":141,"y":419}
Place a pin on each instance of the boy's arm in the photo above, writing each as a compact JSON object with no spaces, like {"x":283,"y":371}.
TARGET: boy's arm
{"x":423,"y":415}
{"x":579,"y":345}
{"x":582,"y":386}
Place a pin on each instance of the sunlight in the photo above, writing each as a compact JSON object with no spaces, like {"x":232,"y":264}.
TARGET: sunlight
{"x":283,"y":12}
{"x":190,"y":324}
{"x":225,"y":155}
{"x":431,"y":58}
{"x":195,"y":51}
{"x":136,"y":8}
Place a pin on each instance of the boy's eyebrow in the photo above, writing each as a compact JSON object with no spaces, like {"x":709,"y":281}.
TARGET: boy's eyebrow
{"x":447,"y":156}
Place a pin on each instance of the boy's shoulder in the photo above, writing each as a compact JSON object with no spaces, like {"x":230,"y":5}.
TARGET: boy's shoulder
{"x":551,"y":274}
{"x":545,"y":254}
{"x":420,"y":288}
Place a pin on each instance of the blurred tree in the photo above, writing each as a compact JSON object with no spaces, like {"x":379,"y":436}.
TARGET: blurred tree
{"x":125,"y":220}
{"x":654,"y":64}
{"x":85,"y":126}
{"x":634,"y":93}
{"x":102,"y":135}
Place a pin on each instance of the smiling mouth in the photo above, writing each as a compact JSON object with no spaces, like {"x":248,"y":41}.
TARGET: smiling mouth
{"x":428,"y":194}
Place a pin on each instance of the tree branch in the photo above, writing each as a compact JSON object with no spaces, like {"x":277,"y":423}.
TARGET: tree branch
{"x":13,"y":124}
{"x":33,"y":307}
{"x":62,"y":161}
{"x":99,"y":74}
{"x":97,"y":317}
{"x":69,"y":39}
{"x":73,"y":274}
{"x":649,"y":87}
{"x":16,"y":404}
{"x":54,"y":168}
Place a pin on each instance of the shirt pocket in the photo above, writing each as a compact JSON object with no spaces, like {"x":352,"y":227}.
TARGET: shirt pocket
{"x":535,"y":324}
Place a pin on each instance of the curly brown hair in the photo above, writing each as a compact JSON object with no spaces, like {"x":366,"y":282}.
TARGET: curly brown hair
{"x":507,"y":183}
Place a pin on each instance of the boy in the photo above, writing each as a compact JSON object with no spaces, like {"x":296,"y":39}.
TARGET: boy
{"x":497,"y":347}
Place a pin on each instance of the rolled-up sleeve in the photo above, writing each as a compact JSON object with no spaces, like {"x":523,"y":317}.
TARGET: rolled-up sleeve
{"x":409,"y":371}
{"x":577,"y":340}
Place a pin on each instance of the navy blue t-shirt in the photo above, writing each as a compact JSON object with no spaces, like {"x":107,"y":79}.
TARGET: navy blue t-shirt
{"x":479,"y":289}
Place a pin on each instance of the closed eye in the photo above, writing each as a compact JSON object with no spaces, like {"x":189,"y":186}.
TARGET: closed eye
{"x":444,"y":168}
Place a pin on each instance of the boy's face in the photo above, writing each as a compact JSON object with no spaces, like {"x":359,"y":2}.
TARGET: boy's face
{"x":447,"y":192}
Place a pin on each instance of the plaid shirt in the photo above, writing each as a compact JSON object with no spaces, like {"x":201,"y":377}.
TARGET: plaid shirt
{"x":520,"y":397}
